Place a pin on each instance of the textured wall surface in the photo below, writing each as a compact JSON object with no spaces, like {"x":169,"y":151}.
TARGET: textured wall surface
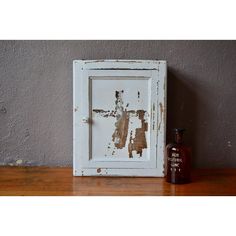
{"x":36,"y":96}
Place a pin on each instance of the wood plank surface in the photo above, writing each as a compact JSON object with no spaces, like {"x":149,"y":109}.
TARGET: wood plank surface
{"x":45,"y":181}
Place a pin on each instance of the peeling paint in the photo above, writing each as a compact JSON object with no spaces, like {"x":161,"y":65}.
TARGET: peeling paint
{"x":138,"y":96}
{"x":122,"y":124}
{"x":126,"y":61}
{"x":153,"y":116}
{"x":161,"y":115}
{"x":120,"y":134}
{"x":138,"y":143}
{"x":105,"y":113}
{"x":157,"y":87}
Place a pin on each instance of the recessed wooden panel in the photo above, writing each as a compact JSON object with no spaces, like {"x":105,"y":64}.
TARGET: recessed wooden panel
{"x":120,"y":110}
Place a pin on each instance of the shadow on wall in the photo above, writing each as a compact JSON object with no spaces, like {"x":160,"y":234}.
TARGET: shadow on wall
{"x":182,"y":110}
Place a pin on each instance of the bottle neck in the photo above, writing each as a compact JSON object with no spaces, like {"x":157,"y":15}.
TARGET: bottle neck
{"x":179,"y":138}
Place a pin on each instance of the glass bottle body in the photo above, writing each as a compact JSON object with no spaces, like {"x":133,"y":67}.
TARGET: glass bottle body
{"x":178,"y":162}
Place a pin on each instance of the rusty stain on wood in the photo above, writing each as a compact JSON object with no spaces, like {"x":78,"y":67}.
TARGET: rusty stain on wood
{"x":161,"y":114}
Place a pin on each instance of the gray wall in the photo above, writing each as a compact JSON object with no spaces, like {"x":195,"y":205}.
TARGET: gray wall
{"x":36,"y":96}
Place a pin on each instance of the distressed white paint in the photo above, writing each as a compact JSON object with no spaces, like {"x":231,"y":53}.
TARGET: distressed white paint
{"x":144,"y":88}
{"x":103,"y":96}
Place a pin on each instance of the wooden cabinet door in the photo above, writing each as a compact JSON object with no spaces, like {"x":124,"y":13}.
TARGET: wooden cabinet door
{"x":119,"y":117}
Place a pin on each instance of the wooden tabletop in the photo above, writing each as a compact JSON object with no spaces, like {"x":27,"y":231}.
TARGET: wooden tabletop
{"x":45,"y":181}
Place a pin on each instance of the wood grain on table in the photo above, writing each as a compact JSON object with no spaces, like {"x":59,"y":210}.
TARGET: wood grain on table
{"x":46,"y":181}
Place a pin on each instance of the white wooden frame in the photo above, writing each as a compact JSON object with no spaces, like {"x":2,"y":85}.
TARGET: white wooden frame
{"x":83,"y":72}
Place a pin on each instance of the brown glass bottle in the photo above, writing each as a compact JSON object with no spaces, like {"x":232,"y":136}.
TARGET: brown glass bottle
{"x":178,"y":157}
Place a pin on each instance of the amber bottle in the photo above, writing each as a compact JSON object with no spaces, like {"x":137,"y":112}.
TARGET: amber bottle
{"x":178,"y":157}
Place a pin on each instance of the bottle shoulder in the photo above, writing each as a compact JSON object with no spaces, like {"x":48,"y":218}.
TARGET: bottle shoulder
{"x":171,"y":145}
{"x":176,"y":145}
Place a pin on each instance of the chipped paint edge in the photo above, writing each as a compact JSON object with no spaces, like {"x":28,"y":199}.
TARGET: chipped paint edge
{"x":163,"y":114}
{"x":120,"y":64}
{"x":118,"y":172}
